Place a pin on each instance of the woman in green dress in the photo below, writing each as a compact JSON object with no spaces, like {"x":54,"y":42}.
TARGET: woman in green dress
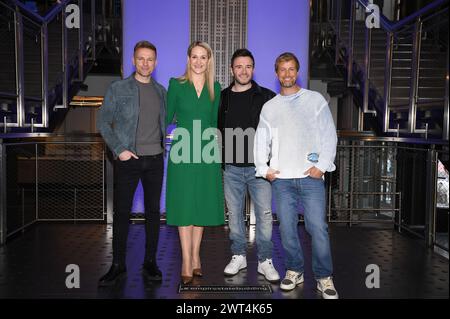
{"x":194,"y":197}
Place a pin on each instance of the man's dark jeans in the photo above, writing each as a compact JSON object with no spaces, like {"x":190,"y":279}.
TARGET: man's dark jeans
{"x":150,"y":170}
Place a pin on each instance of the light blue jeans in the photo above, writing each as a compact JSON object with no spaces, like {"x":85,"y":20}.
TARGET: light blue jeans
{"x":236,"y":181}
{"x":311,"y":192}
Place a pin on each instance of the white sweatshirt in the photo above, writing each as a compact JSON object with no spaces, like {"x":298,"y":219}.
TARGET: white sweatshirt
{"x":290,"y":128}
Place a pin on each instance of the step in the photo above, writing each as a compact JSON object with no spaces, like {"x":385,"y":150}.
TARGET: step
{"x":433,"y":73}
{"x":423,"y":104}
{"x":8,"y":69}
{"x":7,"y":87}
{"x":54,"y":59}
{"x":402,"y":43}
{"x":431,"y":92}
{"x":8,"y":45}
{"x":404,"y":63}
{"x":36,"y":91}
{"x":427,"y":102}
{"x":380,"y":47}
{"x":360,"y":44}
{"x":406,"y":81}
{"x":32,"y":78}
{"x":8,"y":74}
{"x":374,"y":56}
{"x":423,"y":92}
{"x":33,"y":65}
{"x":408,"y":46}
{"x":405,"y":54}
{"x":399,"y":105}
{"x":400,"y":92}
{"x":361,"y":36}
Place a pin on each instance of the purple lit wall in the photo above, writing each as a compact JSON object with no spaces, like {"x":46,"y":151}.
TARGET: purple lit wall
{"x":166,"y":25}
{"x":273,"y":27}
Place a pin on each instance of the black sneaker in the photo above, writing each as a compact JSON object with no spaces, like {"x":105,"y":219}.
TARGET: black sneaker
{"x":151,"y":272}
{"x":113,"y":276}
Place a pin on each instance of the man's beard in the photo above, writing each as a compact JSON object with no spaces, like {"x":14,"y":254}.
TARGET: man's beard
{"x":287,"y":84}
{"x":242,"y":83}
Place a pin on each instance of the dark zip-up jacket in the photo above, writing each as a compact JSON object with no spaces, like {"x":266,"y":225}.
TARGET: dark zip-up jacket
{"x":260,"y":95}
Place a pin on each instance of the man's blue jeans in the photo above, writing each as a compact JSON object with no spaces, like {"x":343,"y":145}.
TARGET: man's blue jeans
{"x":236,"y":181}
{"x":311,"y":192}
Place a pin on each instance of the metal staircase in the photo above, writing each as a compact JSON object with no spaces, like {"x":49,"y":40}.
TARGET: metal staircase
{"x":400,"y":69}
{"x":44,"y":59}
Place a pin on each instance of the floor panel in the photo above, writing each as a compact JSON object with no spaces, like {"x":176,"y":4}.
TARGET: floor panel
{"x":33,"y":265}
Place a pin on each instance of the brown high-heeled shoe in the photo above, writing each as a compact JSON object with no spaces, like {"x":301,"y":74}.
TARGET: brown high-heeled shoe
{"x":186,"y":279}
{"x":197,"y":272}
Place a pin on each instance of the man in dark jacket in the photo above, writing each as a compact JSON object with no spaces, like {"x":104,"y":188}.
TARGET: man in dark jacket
{"x":132,"y":123}
{"x":240,"y":106}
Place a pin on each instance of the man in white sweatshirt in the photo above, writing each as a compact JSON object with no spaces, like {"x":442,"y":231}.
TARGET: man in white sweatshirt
{"x":295,"y":144}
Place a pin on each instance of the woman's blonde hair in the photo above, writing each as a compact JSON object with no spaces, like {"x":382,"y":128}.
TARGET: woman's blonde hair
{"x":210,"y":68}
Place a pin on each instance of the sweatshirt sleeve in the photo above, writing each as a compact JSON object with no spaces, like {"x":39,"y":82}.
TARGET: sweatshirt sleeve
{"x":262,"y":145}
{"x":328,"y":139}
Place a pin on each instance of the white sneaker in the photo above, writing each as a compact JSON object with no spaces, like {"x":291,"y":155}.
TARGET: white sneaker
{"x":291,"y":280}
{"x":326,"y":287}
{"x":237,"y":263}
{"x":267,"y":269}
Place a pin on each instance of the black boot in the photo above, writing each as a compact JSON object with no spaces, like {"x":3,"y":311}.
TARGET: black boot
{"x":151,"y":272}
{"x":113,"y":276}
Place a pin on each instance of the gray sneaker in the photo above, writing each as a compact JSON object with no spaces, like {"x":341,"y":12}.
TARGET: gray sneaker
{"x":291,"y":280}
{"x":326,"y":287}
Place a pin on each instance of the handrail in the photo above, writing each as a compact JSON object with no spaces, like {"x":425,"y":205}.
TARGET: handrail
{"x":49,"y":16}
{"x":22,"y":13}
{"x":23,"y":22}
{"x":392,"y":27}
{"x":392,"y":30}
{"x":417,"y":14}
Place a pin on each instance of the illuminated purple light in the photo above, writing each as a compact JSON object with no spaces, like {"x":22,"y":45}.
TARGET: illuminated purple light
{"x":273,"y":27}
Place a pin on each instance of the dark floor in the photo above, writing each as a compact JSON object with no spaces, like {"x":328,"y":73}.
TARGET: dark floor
{"x":33,"y":265}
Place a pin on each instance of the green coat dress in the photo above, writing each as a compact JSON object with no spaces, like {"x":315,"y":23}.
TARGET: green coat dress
{"x":194,"y":191}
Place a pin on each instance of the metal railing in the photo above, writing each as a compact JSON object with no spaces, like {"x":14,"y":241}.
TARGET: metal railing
{"x":387,"y":180}
{"x":363,"y":189}
{"x":382,"y":180}
{"x":50,"y":178}
{"x":73,"y":47}
{"x":363,"y":64}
